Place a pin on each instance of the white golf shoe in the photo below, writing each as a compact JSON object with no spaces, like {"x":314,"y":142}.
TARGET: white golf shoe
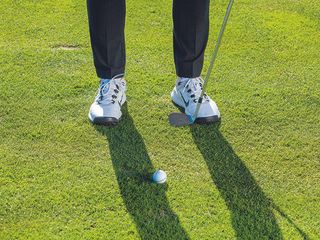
{"x":185,"y":96}
{"x":106,"y":108}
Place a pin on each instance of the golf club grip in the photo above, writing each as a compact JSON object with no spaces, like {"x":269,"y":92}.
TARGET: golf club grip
{"x":214,"y":56}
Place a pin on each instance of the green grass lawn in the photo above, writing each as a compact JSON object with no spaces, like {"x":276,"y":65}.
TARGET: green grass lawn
{"x":254,"y":176}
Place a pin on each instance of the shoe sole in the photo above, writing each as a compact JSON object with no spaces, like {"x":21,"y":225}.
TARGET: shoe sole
{"x":104,"y":121}
{"x":202,"y":120}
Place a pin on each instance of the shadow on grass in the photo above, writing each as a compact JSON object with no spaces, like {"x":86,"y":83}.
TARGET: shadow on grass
{"x":291,"y":222}
{"x":146,"y":202}
{"x":251,"y":210}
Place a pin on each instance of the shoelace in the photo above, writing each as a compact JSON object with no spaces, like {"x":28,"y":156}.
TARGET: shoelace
{"x":194,"y":87}
{"x":108,"y":92}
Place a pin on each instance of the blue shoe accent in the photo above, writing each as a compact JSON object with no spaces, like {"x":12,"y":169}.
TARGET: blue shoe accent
{"x":104,"y":81}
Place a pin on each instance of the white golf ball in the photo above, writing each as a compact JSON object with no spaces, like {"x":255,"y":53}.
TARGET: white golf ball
{"x":159,"y":177}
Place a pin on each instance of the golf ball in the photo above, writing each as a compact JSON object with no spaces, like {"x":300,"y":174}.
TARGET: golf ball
{"x":159,"y":177}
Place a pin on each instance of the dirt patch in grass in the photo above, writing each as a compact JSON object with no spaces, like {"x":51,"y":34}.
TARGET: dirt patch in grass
{"x":66,"y":47}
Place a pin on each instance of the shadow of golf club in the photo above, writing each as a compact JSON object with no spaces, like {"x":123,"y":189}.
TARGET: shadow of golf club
{"x":146,"y":202}
{"x":251,"y":210}
{"x":292,"y":223}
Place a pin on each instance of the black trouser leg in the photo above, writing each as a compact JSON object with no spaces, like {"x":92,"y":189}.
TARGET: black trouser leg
{"x":106,"y":24}
{"x":190,"y":34}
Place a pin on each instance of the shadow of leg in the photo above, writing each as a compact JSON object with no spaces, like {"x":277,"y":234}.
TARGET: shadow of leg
{"x":146,"y":202}
{"x":251,"y":210}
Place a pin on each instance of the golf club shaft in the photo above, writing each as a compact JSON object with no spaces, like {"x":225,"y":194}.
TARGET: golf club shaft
{"x":213,"y":58}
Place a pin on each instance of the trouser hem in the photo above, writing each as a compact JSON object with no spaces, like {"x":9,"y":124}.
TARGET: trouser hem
{"x":109,"y":73}
{"x":189,"y":70}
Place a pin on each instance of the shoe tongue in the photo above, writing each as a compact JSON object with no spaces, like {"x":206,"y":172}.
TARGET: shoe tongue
{"x":105,"y":85}
{"x":182,"y":81}
{"x":104,"y":81}
{"x":195,"y":85}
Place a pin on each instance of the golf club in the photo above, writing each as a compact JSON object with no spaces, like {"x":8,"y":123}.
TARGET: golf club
{"x":181,"y":119}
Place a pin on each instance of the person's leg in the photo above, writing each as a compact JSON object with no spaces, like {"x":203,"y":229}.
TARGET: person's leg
{"x":190,"y":34}
{"x":106,"y":24}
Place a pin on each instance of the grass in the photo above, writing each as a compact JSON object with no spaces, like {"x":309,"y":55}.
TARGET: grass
{"x":255,"y":176}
